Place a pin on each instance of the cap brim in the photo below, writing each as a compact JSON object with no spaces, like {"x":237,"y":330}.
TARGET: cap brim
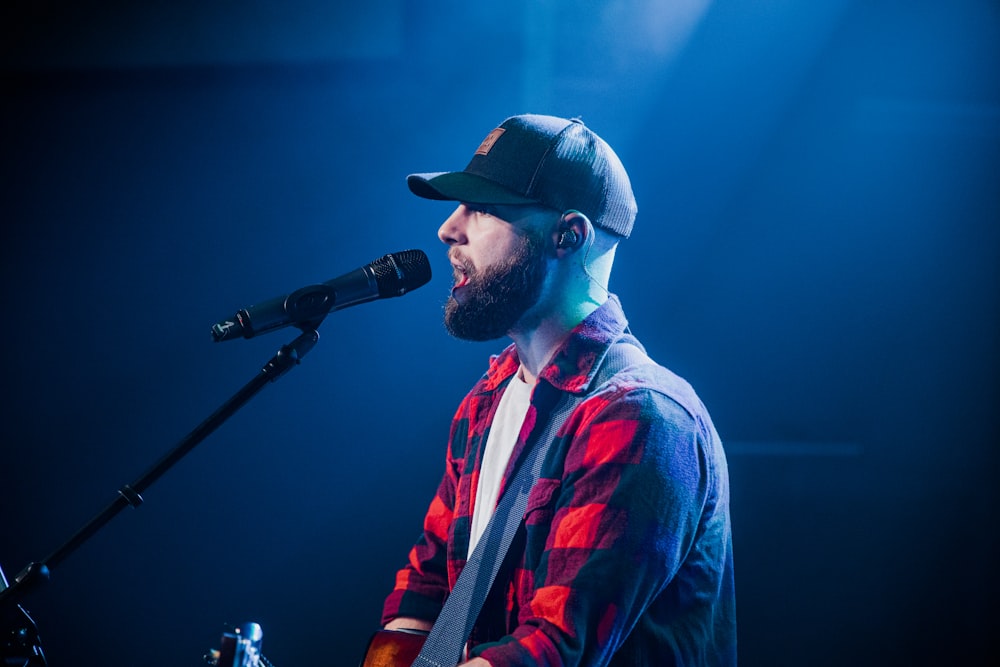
{"x":462,"y":186}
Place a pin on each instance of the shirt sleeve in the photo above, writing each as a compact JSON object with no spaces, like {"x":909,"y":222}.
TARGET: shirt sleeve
{"x":635,"y":480}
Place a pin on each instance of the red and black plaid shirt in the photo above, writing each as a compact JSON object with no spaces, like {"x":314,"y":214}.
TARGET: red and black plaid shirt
{"x":625,"y":555}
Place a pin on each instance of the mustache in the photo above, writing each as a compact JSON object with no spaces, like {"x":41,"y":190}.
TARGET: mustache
{"x":460,"y":262}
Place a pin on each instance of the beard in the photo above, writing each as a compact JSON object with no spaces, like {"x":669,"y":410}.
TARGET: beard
{"x":497,"y":297}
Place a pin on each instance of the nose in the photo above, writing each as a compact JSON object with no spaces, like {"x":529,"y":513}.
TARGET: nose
{"x":452,"y":231}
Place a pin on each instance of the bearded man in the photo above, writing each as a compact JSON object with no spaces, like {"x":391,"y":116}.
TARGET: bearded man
{"x":622,"y":553}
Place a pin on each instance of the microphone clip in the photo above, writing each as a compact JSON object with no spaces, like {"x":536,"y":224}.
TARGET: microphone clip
{"x":305,"y":308}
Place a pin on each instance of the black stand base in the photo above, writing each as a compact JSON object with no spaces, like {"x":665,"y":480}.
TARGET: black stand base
{"x":20,"y":645}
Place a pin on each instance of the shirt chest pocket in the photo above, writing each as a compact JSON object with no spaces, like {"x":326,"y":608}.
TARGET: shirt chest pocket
{"x":541,"y":502}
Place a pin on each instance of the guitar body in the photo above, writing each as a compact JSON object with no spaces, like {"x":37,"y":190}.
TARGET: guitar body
{"x":393,"y":648}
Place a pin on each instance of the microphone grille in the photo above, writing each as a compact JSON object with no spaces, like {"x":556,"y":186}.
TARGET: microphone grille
{"x":400,"y":272}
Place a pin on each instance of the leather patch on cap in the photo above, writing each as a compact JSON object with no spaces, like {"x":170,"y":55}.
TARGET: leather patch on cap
{"x":488,"y":142}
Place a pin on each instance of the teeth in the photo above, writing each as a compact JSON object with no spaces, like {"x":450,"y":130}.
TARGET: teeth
{"x":460,"y":271}
{"x":461,"y":275}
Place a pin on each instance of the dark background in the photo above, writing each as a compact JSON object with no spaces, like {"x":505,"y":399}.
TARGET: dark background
{"x":816,"y":251}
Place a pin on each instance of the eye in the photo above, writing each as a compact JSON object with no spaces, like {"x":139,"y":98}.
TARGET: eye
{"x":484,"y":209}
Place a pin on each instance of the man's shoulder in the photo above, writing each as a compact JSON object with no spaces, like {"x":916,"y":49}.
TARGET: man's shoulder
{"x":645,"y":379}
{"x":628,"y":367}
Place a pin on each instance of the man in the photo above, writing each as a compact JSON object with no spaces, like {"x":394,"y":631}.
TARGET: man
{"x":624,"y":554}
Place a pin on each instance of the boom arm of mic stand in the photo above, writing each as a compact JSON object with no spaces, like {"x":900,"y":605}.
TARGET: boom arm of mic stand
{"x":131,"y":494}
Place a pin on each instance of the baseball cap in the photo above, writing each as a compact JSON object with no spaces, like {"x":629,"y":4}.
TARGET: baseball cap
{"x":534,"y":159}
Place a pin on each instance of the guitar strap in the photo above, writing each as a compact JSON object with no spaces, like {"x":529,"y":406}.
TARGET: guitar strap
{"x":451,"y":631}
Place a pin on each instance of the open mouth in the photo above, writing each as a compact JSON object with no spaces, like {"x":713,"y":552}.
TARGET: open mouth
{"x":461,"y":277}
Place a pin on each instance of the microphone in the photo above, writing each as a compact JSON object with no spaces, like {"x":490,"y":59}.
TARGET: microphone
{"x":394,"y":274}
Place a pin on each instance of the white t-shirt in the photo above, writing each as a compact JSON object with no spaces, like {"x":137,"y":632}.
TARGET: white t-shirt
{"x":500,"y":443}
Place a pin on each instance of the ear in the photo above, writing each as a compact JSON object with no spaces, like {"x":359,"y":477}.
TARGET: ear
{"x":571,"y":232}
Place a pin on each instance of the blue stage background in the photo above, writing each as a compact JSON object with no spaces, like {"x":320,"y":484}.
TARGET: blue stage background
{"x":816,"y":251}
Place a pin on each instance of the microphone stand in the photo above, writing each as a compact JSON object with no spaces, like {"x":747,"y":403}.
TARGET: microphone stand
{"x":20,"y":637}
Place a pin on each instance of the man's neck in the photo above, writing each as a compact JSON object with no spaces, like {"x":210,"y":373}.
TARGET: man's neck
{"x":537,"y":345}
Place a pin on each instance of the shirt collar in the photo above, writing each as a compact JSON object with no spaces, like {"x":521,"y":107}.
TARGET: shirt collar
{"x":573,"y":366}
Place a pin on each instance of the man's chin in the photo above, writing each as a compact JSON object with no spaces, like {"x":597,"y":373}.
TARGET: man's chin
{"x":469,"y":326}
